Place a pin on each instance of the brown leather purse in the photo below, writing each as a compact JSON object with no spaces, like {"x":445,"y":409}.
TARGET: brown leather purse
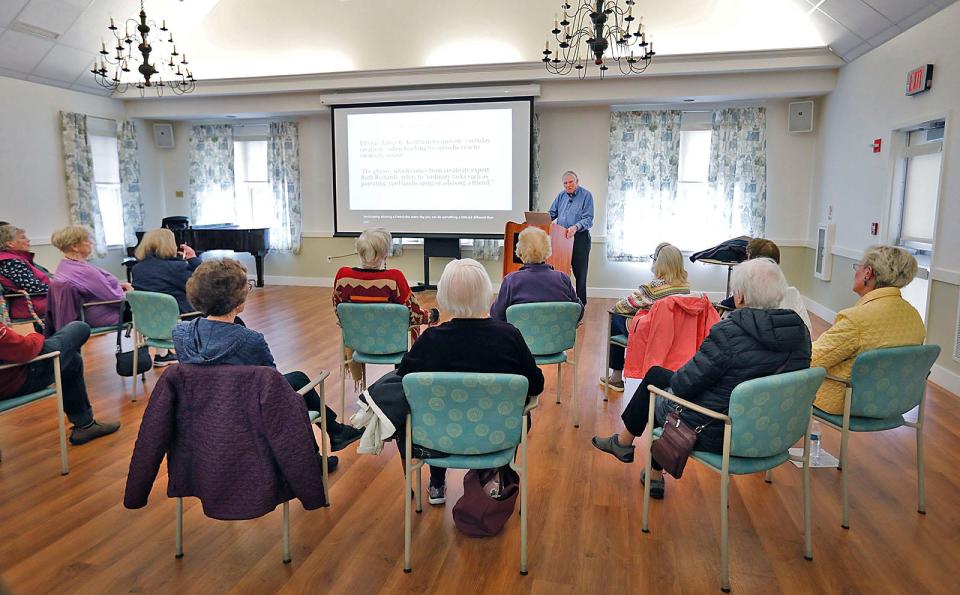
{"x":675,"y":444}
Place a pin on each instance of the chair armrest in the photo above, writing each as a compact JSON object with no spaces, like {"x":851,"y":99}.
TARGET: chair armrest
{"x":313,"y":383}
{"x":100,"y":303}
{"x":533,"y":404}
{"x":835,"y":379}
{"x":194,"y":313}
{"x":8,"y":296}
{"x":688,"y":405}
{"x":44,"y":356}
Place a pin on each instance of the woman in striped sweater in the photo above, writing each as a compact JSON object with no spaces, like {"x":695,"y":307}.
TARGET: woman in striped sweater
{"x":670,"y":278}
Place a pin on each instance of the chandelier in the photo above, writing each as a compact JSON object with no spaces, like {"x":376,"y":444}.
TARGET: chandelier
{"x":133,"y":51}
{"x":598,"y":31}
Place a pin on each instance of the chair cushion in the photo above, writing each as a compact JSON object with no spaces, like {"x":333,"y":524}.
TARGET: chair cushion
{"x":13,"y":403}
{"x":620,"y":340}
{"x":370,"y":358}
{"x":553,"y":358}
{"x":490,"y":460}
{"x":861,"y":424}
{"x":738,"y":465}
{"x":102,"y":330}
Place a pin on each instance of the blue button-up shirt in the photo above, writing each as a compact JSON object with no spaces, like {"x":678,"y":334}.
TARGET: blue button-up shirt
{"x":575,"y":209}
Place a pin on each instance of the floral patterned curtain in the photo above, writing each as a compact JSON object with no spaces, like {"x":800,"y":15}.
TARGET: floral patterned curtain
{"x":738,"y":167}
{"x":641,"y":182}
{"x":81,"y":185}
{"x":211,"y":174}
{"x":283,"y":171}
{"x":129,"y":181}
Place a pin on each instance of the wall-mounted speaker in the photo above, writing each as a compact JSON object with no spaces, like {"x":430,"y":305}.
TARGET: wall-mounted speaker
{"x":163,"y":136}
{"x":800,"y":116}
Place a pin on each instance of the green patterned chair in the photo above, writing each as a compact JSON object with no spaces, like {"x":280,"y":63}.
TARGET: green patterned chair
{"x":550,"y":329}
{"x":478,"y":419}
{"x":154,"y":316}
{"x":7,"y":405}
{"x":376,"y":333}
{"x":620,"y":340}
{"x":767,"y":416}
{"x":884,"y":384}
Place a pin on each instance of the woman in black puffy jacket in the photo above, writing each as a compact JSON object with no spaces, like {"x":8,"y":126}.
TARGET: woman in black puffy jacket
{"x":756,"y":340}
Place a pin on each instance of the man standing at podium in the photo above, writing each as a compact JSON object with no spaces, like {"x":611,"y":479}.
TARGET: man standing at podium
{"x":573,"y":210}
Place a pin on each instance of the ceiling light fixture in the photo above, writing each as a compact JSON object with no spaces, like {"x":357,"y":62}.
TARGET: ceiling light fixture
{"x":132,"y":53}
{"x":597,"y":31}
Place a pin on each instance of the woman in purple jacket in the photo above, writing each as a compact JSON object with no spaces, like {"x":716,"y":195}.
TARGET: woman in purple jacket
{"x":93,"y":283}
{"x":536,"y":281}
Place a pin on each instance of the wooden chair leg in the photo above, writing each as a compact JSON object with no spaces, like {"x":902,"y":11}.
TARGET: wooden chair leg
{"x":576,"y":384}
{"x":921,"y":492}
{"x":807,"y":520}
{"x":844,"y":477}
{"x":724,"y":533}
{"x":523,"y":499}
{"x":61,"y":427}
{"x":559,"y":380}
{"x":768,"y":476}
{"x":179,"y":538}
{"x":286,"y":532}
{"x":407,"y":515}
{"x":136,"y":352}
{"x":648,"y":469}
{"x":419,"y":489}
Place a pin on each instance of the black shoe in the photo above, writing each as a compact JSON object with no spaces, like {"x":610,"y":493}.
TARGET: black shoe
{"x":332,"y":462}
{"x":93,"y":431}
{"x":165,"y":360}
{"x":344,"y":438}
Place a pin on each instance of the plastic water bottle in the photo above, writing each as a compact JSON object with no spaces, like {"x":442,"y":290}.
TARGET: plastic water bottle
{"x":814,"y":442}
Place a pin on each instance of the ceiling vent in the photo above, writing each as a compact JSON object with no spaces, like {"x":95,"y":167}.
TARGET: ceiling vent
{"x":33,"y":30}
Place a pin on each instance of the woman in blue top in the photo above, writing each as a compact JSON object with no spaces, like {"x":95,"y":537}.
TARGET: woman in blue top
{"x":218,"y":289}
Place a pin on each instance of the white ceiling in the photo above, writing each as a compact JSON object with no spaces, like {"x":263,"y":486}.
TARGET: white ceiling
{"x":243,"y":38}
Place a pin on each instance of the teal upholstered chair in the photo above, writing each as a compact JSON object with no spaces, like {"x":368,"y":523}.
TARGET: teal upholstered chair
{"x":154,"y":316}
{"x":620,"y":340}
{"x":7,"y":405}
{"x":376,"y":333}
{"x":478,"y":419}
{"x":767,"y":416}
{"x":550,"y":329}
{"x":314,"y":415}
{"x":884,"y":384}
{"x":101,"y":330}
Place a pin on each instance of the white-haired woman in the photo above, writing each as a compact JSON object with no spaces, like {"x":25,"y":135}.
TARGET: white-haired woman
{"x":470,"y":342}
{"x":880,"y":318}
{"x":757,"y":339}
{"x":373,"y":283}
{"x":669,"y":278}
{"x":536,"y":281}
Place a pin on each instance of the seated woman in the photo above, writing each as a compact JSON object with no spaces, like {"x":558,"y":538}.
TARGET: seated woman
{"x":758,"y":339}
{"x":670,"y":278}
{"x":218,"y":289}
{"x":161,"y":269}
{"x":373,"y":283}
{"x":764,"y":248}
{"x":470,"y":342}
{"x":23,"y":380}
{"x":18,"y":272}
{"x":536,"y":281}
{"x":880,"y":318}
{"x":93,"y":283}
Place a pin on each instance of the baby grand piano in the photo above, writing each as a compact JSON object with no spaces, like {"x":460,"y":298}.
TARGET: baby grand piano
{"x":223,"y":237}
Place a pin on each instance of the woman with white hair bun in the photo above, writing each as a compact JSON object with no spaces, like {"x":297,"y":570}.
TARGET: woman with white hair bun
{"x":536,"y":281}
{"x":470,"y":342}
{"x":757,"y":339}
{"x":880,"y":318}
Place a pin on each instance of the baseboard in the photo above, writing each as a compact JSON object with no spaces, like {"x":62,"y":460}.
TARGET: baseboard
{"x":820,"y":310}
{"x":945,"y":379}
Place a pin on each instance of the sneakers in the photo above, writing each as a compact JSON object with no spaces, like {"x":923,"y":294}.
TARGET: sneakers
{"x":437,"y":495}
{"x":93,"y":431}
{"x":170,"y":358}
{"x":344,"y":438}
{"x":615,"y":385}
{"x":657,"y":486}
{"x":624,"y":454}
{"x":332,"y":462}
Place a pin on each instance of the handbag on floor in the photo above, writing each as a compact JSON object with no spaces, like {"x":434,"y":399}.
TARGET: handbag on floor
{"x":125,"y":358}
{"x":489,"y":496}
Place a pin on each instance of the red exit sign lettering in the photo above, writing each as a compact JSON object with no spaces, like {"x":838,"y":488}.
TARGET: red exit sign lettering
{"x":920,"y":79}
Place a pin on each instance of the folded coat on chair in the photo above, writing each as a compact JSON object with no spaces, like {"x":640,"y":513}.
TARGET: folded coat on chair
{"x":236,"y":437}
{"x":668,"y":335}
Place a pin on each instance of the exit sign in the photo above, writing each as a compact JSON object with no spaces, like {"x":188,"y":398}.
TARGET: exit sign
{"x":920,"y":79}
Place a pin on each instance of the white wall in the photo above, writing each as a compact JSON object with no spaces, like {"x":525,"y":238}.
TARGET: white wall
{"x":34,"y":194}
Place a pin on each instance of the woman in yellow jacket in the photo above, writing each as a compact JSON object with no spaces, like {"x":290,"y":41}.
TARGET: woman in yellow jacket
{"x":880,"y":318}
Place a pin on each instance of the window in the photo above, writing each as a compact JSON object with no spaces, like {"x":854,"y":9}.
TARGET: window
{"x":254,"y":194}
{"x":106,"y":174}
{"x":917,"y":204}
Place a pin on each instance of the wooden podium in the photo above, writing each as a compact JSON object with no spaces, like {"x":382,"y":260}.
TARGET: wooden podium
{"x":562,"y":247}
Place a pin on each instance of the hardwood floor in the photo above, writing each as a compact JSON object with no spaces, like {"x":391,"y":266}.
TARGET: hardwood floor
{"x":72,"y":535}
